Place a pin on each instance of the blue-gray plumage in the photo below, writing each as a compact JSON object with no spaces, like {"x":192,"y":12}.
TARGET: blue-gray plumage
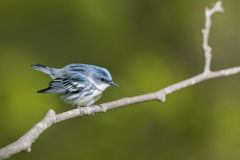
{"x":79,"y":84}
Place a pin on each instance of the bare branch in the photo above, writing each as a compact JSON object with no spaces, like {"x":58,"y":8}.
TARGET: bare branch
{"x":24,"y":143}
{"x":217,"y":8}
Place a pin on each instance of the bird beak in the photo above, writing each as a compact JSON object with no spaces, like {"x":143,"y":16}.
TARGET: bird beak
{"x":113,"y":84}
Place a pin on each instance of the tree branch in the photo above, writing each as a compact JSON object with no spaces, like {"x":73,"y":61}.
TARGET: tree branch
{"x":206,"y":31}
{"x":24,"y":143}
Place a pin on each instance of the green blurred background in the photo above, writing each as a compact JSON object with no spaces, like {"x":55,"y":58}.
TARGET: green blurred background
{"x":147,"y":45}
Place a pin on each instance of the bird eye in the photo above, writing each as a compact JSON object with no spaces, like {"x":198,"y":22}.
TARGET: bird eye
{"x":102,"y":79}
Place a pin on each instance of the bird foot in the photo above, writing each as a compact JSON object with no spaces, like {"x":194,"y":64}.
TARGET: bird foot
{"x":81,"y":110}
{"x":104,"y":109}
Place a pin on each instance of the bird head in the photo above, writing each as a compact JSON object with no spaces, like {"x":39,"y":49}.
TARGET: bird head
{"x":102,"y":78}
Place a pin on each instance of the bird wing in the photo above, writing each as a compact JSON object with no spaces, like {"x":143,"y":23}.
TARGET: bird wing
{"x":67,"y":84}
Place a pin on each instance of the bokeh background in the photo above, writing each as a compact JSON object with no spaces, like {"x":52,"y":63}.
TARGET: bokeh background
{"x":147,"y":45}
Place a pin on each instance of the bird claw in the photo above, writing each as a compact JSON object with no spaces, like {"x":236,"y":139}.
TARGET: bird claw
{"x":92,"y":112}
{"x":104,"y":109}
{"x":81,"y":110}
{"x":89,"y":110}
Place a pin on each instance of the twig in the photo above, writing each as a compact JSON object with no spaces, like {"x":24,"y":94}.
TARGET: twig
{"x":206,"y":31}
{"x":25,"y":142}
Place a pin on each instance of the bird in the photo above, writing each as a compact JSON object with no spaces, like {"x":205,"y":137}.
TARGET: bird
{"x":78,"y":84}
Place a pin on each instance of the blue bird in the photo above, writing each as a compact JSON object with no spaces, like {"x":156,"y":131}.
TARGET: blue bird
{"x":78,"y":84}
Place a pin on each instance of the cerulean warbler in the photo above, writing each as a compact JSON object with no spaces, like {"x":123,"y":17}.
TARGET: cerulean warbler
{"x":78,"y":84}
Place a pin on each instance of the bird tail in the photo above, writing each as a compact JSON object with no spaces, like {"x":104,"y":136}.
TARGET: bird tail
{"x":47,"y":70}
{"x":52,"y":90}
{"x":41,"y":68}
{"x":44,"y":90}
